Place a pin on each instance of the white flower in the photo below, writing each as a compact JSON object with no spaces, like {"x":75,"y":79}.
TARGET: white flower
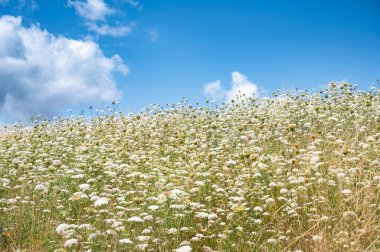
{"x":65,"y":229}
{"x":12,"y":201}
{"x":349,"y":215}
{"x":176,"y":194}
{"x":125,"y":241}
{"x":117,"y":224}
{"x":61,"y":228}
{"x":85,"y":226}
{"x":78,"y":176}
{"x":143,"y":238}
{"x":201,"y":215}
{"x":272,"y":184}
{"x":222,"y":236}
{"x":283,"y":191}
{"x":269,"y":201}
{"x":341,"y":175}
{"x":346,"y":192}
{"x":142,"y":247}
{"x":148,"y":218}
{"x":84,"y":187}
{"x":147,"y":231}
{"x":135,"y":219}
{"x":91,"y":180}
{"x":316,"y":238}
{"x":172,"y":231}
{"x":324,"y":218}
{"x":179,"y":207}
{"x":258,"y":209}
{"x":94,"y":197}
{"x":212,"y":216}
{"x":153,"y":207}
{"x":184,"y":249}
{"x":92,"y":236}
{"x":101,"y":201}
{"x":272,"y":241}
{"x":231,"y":163}
{"x":40,"y":187}
{"x":70,"y":242}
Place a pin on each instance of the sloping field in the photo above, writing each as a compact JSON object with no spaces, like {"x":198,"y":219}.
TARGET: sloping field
{"x":300,"y":172}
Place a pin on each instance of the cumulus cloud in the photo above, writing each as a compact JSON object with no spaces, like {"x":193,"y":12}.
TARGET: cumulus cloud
{"x":105,"y":29}
{"x":93,"y":10}
{"x":240,"y":85}
{"x":94,"y":13}
{"x":214,"y":90}
{"x":43,"y":73}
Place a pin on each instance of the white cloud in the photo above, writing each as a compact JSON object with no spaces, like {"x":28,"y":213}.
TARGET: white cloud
{"x":94,"y":13}
{"x":240,"y":85}
{"x":44,"y":73}
{"x":116,"y":31}
{"x":29,"y":5}
{"x":214,"y":90}
{"x":133,"y":3}
{"x":93,"y":10}
{"x":21,"y":5}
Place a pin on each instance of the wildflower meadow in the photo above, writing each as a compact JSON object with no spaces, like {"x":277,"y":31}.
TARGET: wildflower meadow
{"x":298,"y":171}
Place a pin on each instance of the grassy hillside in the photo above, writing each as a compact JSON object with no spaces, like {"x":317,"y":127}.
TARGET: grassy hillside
{"x":300,"y":172}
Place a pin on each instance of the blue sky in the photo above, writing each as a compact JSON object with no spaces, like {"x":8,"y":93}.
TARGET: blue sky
{"x":159,"y":51}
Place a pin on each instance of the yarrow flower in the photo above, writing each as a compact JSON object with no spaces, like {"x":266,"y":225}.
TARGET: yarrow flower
{"x":184,"y":249}
{"x":258,"y":209}
{"x":153,"y":207}
{"x":316,"y":238}
{"x":70,"y":243}
{"x":84,"y":187}
{"x":201,"y":215}
{"x":40,"y":187}
{"x":101,"y":201}
{"x":61,"y":228}
{"x":125,"y":241}
{"x":346,"y":192}
{"x":135,"y":219}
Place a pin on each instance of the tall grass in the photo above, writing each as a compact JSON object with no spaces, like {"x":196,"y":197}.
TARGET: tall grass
{"x":299,"y":172}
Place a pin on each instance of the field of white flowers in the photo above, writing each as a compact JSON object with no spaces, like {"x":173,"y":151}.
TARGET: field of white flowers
{"x":298,"y":172}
